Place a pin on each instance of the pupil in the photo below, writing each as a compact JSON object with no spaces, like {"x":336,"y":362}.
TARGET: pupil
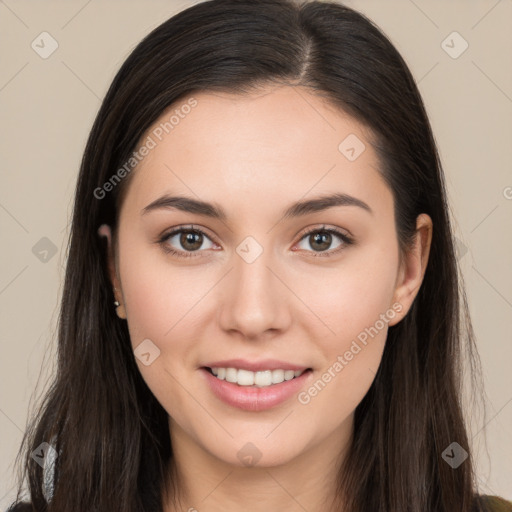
{"x":188,"y":238}
{"x":318,"y":238}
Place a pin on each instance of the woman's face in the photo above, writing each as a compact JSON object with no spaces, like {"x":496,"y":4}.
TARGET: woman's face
{"x":253,"y":284}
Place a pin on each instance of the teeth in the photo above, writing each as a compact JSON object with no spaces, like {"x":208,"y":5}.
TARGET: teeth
{"x":260,"y":379}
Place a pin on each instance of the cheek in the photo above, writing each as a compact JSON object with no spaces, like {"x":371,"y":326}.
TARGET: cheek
{"x":165,"y":304}
{"x":160,"y":307}
{"x":359,"y":317}
{"x":355,"y":302}
{"x":352,"y":295}
{"x":340,"y":387}
{"x":160,"y":297}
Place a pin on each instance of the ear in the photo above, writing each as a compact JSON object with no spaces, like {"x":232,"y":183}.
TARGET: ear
{"x":412,"y":269}
{"x":105,"y":231}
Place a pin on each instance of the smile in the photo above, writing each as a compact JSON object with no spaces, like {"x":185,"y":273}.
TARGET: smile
{"x":261,"y":379}
{"x":255,"y":391}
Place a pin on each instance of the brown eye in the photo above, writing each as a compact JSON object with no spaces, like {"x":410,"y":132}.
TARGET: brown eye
{"x":185,"y":241}
{"x":320,"y":241}
{"x":191,"y":240}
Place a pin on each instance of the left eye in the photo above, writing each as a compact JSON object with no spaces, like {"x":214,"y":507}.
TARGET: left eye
{"x":320,"y":240}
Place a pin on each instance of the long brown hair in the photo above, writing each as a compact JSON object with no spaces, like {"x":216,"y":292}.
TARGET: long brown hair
{"x":110,"y":434}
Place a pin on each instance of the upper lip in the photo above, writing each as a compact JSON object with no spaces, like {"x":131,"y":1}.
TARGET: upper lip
{"x":255,"y":366}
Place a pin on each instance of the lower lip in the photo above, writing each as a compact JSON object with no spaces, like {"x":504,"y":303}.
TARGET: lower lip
{"x":254,"y":398}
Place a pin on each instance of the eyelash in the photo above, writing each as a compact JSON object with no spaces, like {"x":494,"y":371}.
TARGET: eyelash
{"x":347,"y":241}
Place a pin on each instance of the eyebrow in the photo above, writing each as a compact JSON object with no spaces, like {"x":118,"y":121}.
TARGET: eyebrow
{"x":298,"y":209}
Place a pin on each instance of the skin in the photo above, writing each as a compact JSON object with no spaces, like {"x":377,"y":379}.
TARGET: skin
{"x":254,"y":155}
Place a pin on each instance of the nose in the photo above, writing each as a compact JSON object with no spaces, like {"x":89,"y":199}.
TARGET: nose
{"x":254,"y":300}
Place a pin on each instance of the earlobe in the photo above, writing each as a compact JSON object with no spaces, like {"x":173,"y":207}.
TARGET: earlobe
{"x":413,"y":267}
{"x":105,"y":231}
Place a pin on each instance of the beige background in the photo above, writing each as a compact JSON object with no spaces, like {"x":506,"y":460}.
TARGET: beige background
{"x":47,"y":107}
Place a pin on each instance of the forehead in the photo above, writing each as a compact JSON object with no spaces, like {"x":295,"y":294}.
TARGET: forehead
{"x":280,"y":143}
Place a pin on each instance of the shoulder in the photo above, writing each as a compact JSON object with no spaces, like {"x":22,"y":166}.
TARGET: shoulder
{"x":494,"y":503}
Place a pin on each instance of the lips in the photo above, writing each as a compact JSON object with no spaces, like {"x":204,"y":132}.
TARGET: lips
{"x":251,"y":398}
{"x":255,"y":366}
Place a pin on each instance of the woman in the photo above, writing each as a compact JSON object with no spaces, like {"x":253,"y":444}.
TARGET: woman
{"x":261,"y":304}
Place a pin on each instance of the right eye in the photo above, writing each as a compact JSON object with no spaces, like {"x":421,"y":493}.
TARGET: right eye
{"x":189,"y":238}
